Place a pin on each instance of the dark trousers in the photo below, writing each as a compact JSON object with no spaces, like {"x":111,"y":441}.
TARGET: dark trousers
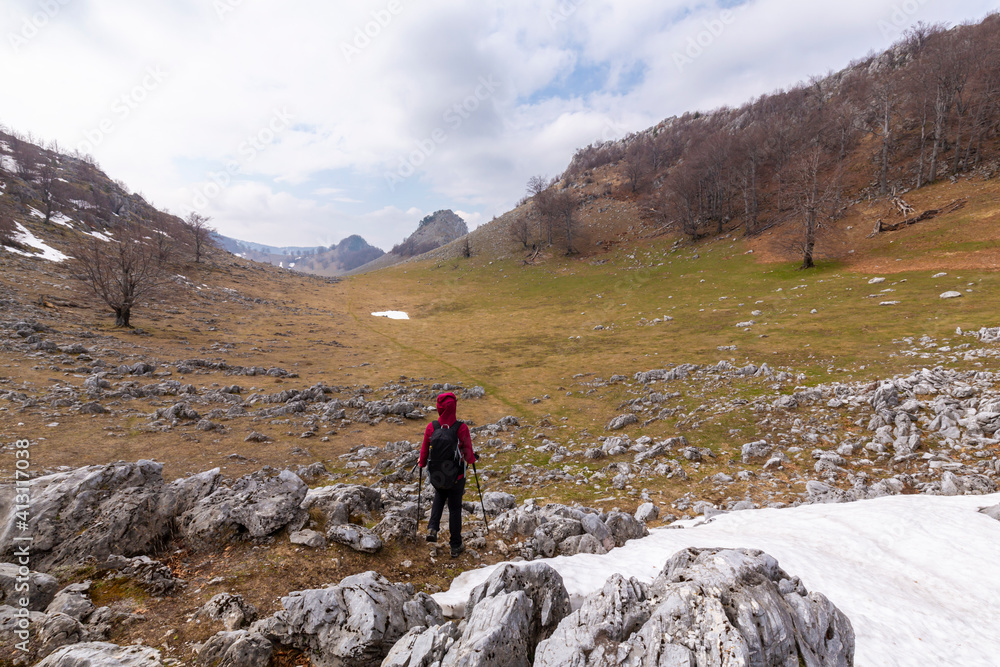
{"x":454,"y":499}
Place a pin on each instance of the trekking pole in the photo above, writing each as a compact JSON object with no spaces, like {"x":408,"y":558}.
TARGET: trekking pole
{"x":476,"y":475}
{"x":420,"y":481}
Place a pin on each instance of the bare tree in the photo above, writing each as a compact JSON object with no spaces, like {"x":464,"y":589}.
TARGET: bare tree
{"x":24,"y":155}
{"x":537,"y":184}
{"x":45,"y":178}
{"x":637,"y":162}
{"x":817,"y":191}
{"x":520,"y":230}
{"x":124,"y":270}
{"x":201,"y":234}
{"x":558,"y":209}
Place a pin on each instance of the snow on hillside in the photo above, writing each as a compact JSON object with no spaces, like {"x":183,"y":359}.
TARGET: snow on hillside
{"x":917,"y":575}
{"x":25,"y":237}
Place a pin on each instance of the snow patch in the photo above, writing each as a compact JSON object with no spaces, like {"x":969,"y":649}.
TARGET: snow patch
{"x":25,"y":237}
{"x":393,"y":315}
{"x":916,"y":575}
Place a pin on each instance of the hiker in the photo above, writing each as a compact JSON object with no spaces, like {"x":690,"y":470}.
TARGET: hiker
{"x":446,"y":449}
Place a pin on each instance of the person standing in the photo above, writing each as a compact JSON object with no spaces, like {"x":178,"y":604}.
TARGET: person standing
{"x":446,"y":449}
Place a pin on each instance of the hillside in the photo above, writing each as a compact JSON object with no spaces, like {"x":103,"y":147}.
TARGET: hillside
{"x":674,"y":366}
{"x":435,"y":230}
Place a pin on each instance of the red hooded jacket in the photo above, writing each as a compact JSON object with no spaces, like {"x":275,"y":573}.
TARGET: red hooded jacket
{"x":446,"y":404}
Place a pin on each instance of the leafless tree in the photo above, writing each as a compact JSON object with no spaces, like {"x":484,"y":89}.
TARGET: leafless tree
{"x":201,"y":234}
{"x":124,"y":270}
{"x":46,"y":180}
{"x":520,"y":230}
{"x":24,"y":154}
{"x":816,"y":187}
{"x":637,"y":162}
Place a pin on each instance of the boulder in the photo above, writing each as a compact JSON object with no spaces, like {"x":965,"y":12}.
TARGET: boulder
{"x":647,"y":512}
{"x":352,"y":624}
{"x":497,"y":634}
{"x":120,"y":508}
{"x":593,"y":525}
{"x":497,"y":502}
{"x":358,"y":538}
{"x":542,"y":584}
{"x":43,"y":587}
{"x":102,"y":654}
{"x":394,"y":527}
{"x":308,"y":538}
{"x":423,"y":647}
{"x":258,"y":505}
{"x":234,"y":612}
{"x":73,"y":602}
{"x":342,"y":503}
{"x":723,"y":607}
{"x":625,"y":527}
{"x":756,"y":451}
{"x":153,"y":576}
{"x":235,"y":649}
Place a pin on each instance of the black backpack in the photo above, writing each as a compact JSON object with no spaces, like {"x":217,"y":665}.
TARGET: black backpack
{"x":445,"y":464}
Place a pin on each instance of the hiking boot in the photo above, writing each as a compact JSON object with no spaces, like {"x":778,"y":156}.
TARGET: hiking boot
{"x":432,"y":536}
{"x":455,"y":551}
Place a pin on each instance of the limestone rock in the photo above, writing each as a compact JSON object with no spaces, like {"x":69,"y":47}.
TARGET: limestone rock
{"x":43,"y":587}
{"x":709,"y":607}
{"x":235,"y":649}
{"x":358,"y":538}
{"x":352,"y":624}
{"x":497,"y":634}
{"x":258,"y":504}
{"x":540,"y":582}
{"x":234,"y":612}
{"x":102,"y":654}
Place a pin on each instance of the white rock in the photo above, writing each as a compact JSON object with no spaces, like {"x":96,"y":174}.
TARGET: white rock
{"x":951,"y":295}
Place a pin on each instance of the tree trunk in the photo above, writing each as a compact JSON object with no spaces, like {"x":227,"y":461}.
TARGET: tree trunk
{"x":810,"y":244}
{"x":122,"y":316}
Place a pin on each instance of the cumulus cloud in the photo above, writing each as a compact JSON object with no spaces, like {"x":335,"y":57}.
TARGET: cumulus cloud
{"x":395,"y":108}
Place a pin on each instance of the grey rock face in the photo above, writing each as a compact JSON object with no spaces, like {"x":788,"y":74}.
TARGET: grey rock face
{"x":647,"y":512}
{"x":73,"y":602}
{"x":709,"y":607}
{"x":625,"y":527}
{"x":121,"y":508}
{"x":395,"y":527}
{"x":423,"y":647}
{"x":41,"y":586}
{"x":341,"y":503}
{"x":497,"y":634}
{"x":234,"y":612}
{"x":235,"y":649}
{"x":543,"y":586}
{"x":101,"y":654}
{"x":258,"y":504}
{"x":354,"y":623}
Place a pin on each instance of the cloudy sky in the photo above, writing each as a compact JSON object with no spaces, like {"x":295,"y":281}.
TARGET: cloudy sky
{"x":302,"y":122}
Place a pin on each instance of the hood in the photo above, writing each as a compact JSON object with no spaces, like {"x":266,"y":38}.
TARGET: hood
{"x":446,"y":404}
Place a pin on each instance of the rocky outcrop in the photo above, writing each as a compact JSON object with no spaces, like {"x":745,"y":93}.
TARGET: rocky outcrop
{"x":234,"y":612}
{"x":710,"y":607}
{"x":992,"y":512}
{"x":354,"y":623}
{"x":257,"y":505}
{"x":547,"y":530}
{"x":101,"y":654}
{"x":96,"y":511}
{"x":235,"y":649}
{"x":505,"y":618}
{"x":42,"y":587}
